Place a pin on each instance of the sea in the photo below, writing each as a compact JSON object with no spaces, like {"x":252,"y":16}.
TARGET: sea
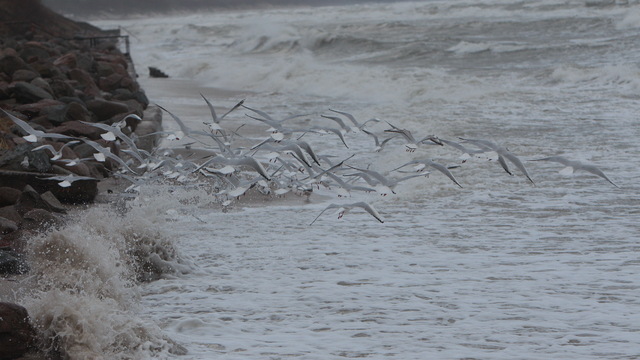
{"x":499,"y":268}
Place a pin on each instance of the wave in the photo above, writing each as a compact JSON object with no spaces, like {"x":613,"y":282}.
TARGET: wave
{"x":84,"y":292}
{"x":625,"y":78}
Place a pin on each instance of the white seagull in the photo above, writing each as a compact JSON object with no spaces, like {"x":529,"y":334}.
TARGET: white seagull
{"x":34,"y":134}
{"x":57,"y":154}
{"x":66,"y":180}
{"x":574,"y":165}
{"x":426,"y":162}
{"x":503,"y":153}
{"x":344,"y":208}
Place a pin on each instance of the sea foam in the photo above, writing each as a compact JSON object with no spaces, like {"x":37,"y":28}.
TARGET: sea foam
{"x":84,"y":289}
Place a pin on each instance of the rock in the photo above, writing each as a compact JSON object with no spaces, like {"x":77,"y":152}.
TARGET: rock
{"x":29,"y":200}
{"x":71,"y":111}
{"x":24,"y":75}
{"x":42,"y":84}
{"x":27,"y":93}
{"x":34,"y":51}
{"x":5,"y":93}
{"x":78,"y":129}
{"x":17,"y":336}
{"x":11,"y":263}
{"x":156,"y":73}
{"x":61,"y":88}
{"x":38,"y":108}
{"x":142,"y":98}
{"x":10,"y":213}
{"x":85,"y":81}
{"x":54,"y":204}
{"x":10,"y":62}
{"x":67,"y":61}
{"x":7,"y":226}
{"x":111,"y":82}
{"x":39,"y":219}
{"x":9,"y":196}
{"x":14,"y":159}
{"x":105,"y":109}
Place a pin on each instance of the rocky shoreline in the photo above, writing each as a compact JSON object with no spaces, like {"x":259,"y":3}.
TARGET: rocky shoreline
{"x":56,"y":75}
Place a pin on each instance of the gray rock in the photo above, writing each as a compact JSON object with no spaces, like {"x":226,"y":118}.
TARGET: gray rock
{"x":14,"y":159}
{"x":17,"y":335}
{"x":30,"y":199}
{"x":27,"y":93}
{"x":52,"y":201}
{"x":42,"y":84}
{"x":9,"y":196}
{"x":105,"y":109}
{"x":7,"y":226}
{"x":10,"y":213}
{"x":24,"y":75}
{"x":40,"y":219}
{"x":9,"y":63}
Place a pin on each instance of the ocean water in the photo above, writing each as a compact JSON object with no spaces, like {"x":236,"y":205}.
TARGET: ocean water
{"x":498,"y":269}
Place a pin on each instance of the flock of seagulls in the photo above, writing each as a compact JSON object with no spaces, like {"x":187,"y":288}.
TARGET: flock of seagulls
{"x":280,"y":161}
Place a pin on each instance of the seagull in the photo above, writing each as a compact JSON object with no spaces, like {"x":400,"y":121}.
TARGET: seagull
{"x":358,"y":125}
{"x":383,"y":184}
{"x":344,"y":188}
{"x":466,"y":152}
{"x":57,"y":154}
{"x":574,"y":165}
{"x":34,"y":135}
{"x":243,"y":160}
{"x":215,"y":125}
{"x":115,"y":131}
{"x":502,"y":154}
{"x":426,"y":162}
{"x":339,"y":121}
{"x":66,"y":180}
{"x":344,"y":208}
{"x":184,"y":129}
{"x":379,"y":144}
{"x":331,"y":130}
{"x":104,"y":153}
{"x":217,"y":119}
{"x":412,"y":143}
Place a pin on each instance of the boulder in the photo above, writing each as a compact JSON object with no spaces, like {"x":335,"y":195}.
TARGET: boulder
{"x":156,"y":73}
{"x":24,"y":75}
{"x":67,"y":61}
{"x":35,"y":109}
{"x":39,"y":219}
{"x":61,"y":88}
{"x":111,"y":82}
{"x":7,"y":226}
{"x":9,"y":196}
{"x":105,"y":109}
{"x":54,"y":204}
{"x":71,"y":111}
{"x":85,"y":81}
{"x":5,"y":93}
{"x":14,"y":159}
{"x":78,"y":129}
{"x":34,"y":51}
{"x":10,"y":213}
{"x":42,"y":83}
{"x":10,"y":62}
{"x":25,"y":92}
{"x":17,"y":336}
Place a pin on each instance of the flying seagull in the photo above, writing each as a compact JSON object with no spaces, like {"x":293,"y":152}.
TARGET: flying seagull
{"x":344,"y":208}
{"x":574,"y":165}
{"x":34,"y":135}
